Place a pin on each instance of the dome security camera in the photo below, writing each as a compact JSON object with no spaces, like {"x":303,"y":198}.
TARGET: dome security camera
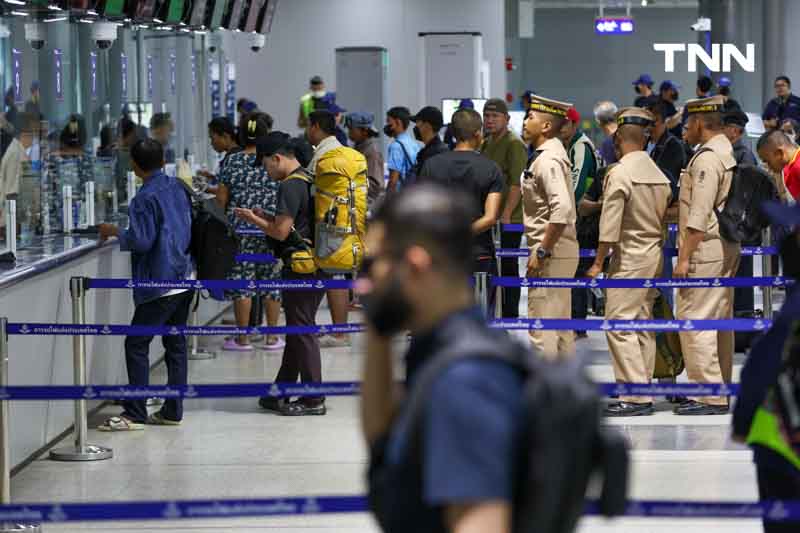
{"x":36,"y":35}
{"x":257,"y":41}
{"x":104,"y":34}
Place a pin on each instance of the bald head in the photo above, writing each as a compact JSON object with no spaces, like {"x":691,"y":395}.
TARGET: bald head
{"x":776,"y":149}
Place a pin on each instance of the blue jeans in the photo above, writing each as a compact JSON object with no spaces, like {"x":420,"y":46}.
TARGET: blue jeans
{"x":165,"y":311}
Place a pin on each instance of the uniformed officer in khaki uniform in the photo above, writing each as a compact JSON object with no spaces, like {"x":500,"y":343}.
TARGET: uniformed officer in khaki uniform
{"x":703,"y":253}
{"x":636,"y":195}
{"x":548,"y":204}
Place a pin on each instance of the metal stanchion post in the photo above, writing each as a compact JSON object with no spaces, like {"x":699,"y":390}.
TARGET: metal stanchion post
{"x":498,"y":244}
{"x":197,"y":353}
{"x":766,"y":267}
{"x":81,"y":451}
{"x":481,"y":294}
{"x":5,"y":450}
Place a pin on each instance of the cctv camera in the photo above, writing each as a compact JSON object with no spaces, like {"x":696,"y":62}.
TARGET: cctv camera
{"x":104,"y":33}
{"x":257,"y":41}
{"x":214,"y":42}
{"x":35,"y":34}
{"x":702,"y":24}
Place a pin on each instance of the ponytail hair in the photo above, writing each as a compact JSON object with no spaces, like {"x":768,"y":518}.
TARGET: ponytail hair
{"x":254,"y":126}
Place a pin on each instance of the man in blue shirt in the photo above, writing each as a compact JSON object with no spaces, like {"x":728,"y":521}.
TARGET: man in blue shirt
{"x":418,"y":279}
{"x":158,"y":238}
{"x":403,"y":150}
{"x":784,"y":106}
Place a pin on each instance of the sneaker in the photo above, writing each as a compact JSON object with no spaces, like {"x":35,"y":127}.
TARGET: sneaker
{"x":301,"y":408}
{"x":273,"y":344}
{"x":273,"y":405}
{"x":232,"y":346}
{"x":332,"y":341}
{"x":152,"y":402}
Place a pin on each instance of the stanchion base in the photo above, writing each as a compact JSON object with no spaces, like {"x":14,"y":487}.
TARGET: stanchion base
{"x":16,"y":528}
{"x":90,"y":453}
{"x":200,"y":355}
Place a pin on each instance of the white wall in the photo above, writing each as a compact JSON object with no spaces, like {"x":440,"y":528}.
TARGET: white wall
{"x":307,"y":32}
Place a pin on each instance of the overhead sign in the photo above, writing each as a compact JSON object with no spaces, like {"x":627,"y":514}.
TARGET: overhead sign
{"x":613,"y":25}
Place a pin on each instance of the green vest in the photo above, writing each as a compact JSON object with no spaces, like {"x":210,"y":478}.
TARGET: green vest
{"x":307,"y":104}
{"x":765,"y":431}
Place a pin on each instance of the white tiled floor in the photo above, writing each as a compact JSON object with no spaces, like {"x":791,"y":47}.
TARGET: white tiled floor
{"x":228,"y":448}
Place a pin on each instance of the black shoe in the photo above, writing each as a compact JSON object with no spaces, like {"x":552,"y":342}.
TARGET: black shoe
{"x":301,"y":408}
{"x":694,"y":408}
{"x":273,"y":405}
{"x":581,"y":335}
{"x":628,"y":409}
{"x":679,"y":400}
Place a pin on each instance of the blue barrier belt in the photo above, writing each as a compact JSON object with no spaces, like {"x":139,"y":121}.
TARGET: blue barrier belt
{"x":523,"y":324}
{"x":30,"y":328}
{"x":668,"y":252}
{"x":778,"y":511}
{"x":256,"y":258}
{"x":286,"y":390}
{"x":665,"y":283}
{"x":264,"y":285}
{"x":519,"y":228}
{"x":527,"y":324}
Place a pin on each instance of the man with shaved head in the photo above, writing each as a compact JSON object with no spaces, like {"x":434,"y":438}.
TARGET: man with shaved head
{"x":782,"y":156}
{"x":636,"y":196}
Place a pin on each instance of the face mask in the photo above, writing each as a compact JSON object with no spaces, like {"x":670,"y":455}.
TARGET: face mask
{"x":417,"y":134}
{"x":790,"y":256}
{"x":388,"y":311}
{"x":388,"y":131}
{"x":318,"y":94}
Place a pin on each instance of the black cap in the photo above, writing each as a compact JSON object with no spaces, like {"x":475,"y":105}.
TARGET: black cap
{"x":431,"y":115}
{"x":316,"y":80}
{"x":267,"y":145}
{"x":737,"y":117}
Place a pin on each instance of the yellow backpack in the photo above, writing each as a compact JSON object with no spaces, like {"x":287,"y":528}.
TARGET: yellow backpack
{"x":340,"y":210}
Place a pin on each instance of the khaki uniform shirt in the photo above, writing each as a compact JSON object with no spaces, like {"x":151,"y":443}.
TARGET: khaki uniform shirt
{"x":635,"y":199}
{"x":704,"y":187}
{"x":547,"y":196}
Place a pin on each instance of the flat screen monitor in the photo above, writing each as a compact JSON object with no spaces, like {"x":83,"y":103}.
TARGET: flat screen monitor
{"x":233,"y":15}
{"x":197,"y":13}
{"x":450,"y":106}
{"x":253,"y":15}
{"x":111,"y":8}
{"x":172,"y":11}
{"x":264,"y":25}
{"x":216,"y":14}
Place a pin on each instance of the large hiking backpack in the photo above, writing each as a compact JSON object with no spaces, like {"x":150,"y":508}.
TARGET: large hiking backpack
{"x":564,"y":447}
{"x":340,"y":210}
{"x":669,"y":355}
{"x":741,"y":220}
{"x":214,"y":243}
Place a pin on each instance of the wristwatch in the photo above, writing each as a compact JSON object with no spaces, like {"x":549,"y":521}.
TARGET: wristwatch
{"x":543,"y":253}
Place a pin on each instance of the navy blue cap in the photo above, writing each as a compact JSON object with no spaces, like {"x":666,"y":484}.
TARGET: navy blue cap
{"x":724,"y":81}
{"x":335,"y":108}
{"x":466,"y":103}
{"x":643,"y":79}
{"x":668,"y":84}
{"x":782,"y":214}
{"x":359,"y":119}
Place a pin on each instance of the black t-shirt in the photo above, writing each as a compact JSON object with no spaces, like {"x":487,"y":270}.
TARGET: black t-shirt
{"x":433,"y":148}
{"x":669,"y":155}
{"x":474,"y":174}
{"x":294,"y":200}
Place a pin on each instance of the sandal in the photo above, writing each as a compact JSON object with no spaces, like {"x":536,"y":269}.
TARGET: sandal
{"x":120,"y":423}
{"x":157,"y":419}
{"x":274,"y":343}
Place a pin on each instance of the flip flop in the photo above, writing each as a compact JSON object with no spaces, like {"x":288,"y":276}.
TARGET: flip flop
{"x":120,"y":423}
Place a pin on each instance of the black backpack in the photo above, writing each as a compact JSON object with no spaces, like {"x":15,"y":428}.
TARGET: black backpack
{"x":214,"y":244}
{"x":565,"y":444}
{"x":741,"y":220}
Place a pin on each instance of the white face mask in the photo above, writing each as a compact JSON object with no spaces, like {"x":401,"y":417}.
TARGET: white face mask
{"x":318,"y":94}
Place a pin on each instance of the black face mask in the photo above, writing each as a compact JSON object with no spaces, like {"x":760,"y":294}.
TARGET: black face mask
{"x":417,"y":134}
{"x":790,"y":256}
{"x":388,"y":131}
{"x":388,"y":310}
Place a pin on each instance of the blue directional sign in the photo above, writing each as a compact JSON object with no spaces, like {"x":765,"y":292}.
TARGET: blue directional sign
{"x":613,"y":25}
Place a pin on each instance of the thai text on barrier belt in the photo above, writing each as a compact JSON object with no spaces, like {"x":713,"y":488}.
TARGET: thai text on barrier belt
{"x":641,"y":283}
{"x":669,"y":252}
{"x":525,"y":324}
{"x":778,"y":511}
{"x":264,"y":285}
{"x":519,"y":228}
{"x":287,"y":390}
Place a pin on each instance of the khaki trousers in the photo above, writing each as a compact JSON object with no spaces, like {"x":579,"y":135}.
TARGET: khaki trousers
{"x":633,"y":353}
{"x":553,"y":303}
{"x":709,"y":354}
